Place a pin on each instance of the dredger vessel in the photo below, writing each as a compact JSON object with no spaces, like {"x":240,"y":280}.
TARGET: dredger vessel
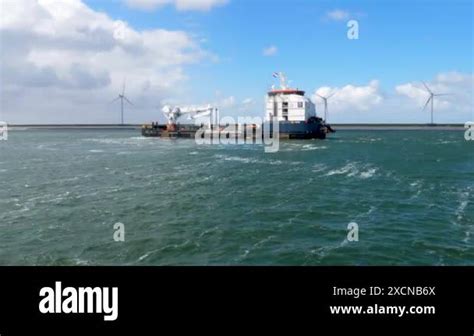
{"x":294,"y":112}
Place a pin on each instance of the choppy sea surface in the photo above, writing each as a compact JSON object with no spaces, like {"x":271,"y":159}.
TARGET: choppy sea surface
{"x":411,"y":194}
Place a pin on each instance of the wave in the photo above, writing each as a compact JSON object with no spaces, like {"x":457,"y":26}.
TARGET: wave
{"x":417,"y":187}
{"x":120,"y":141}
{"x":170,"y":246}
{"x":323,"y":251}
{"x":369,"y":173}
{"x":355,"y":169}
{"x":312,"y":147}
{"x":319,"y":167}
{"x":286,"y":147}
{"x":463,"y":202}
{"x":247,"y":160}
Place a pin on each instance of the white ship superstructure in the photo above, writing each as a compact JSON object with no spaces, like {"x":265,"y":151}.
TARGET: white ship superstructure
{"x":287,"y":104}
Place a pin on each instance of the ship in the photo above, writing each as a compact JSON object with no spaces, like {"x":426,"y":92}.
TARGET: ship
{"x":289,"y":107}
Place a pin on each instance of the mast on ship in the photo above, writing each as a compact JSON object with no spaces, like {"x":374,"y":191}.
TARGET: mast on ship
{"x":282,"y":78}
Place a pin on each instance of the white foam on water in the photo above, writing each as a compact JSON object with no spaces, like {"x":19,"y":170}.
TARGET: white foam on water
{"x":354,"y":169}
{"x":45,"y":147}
{"x":81,"y":262}
{"x":244,"y":255}
{"x":254,"y":246}
{"x":120,"y":141}
{"x":445,"y":142}
{"x":24,"y":208}
{"x":416,"y":183}
{"x":369,"y":173}
{"x":361,"y":140}
{"x":240,"y":159}
{"x":205,"y":232}
{"x":312,"y":147}
{"x":96,"y":151}
{"x":416,"y":186}
{"x":263,"y":241}
{"x":371,"y":210}
{"x":174,"y":246}
{"x":344,"y":170}
{"x":247,"y":160}
{"x":461,"y":208}
{"x":319,"y":167}
{"x":146,"y":255}
{"x":467,"y":238}
{"x":325,"y":250}
{"x":463,"y":202}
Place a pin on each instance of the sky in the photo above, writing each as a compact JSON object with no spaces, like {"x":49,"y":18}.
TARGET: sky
{"x":64,"y":61}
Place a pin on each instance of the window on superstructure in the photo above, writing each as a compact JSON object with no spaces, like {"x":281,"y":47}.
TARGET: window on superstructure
{"x":300,"y":104}
{"x":285,"y":109}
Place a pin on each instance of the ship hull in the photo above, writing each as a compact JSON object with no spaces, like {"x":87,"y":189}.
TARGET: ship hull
{"x":287,"y":130}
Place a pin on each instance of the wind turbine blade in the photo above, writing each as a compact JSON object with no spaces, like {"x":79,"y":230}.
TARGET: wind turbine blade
{"x":332,"y":94}
{"x":427,"y":88}
{"x":317,"y":94}
{"x":427,"y":102}
{"x":442,"y":94}
{"x":128,"y":101}
{"x":115,"y":99}
{"x":123,"y":87}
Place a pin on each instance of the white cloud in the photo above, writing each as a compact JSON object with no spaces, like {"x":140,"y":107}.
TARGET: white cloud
{"x":270,"y":51}
{"x":351,"y":97}
{"x":412,"y":90}
{"x":338,"y":15}
{"x":182,"y":5}
{"x":401,"y":104}
{"x":56,"y":55}
{"x":457,"y":86}
{"x":231,"y":106}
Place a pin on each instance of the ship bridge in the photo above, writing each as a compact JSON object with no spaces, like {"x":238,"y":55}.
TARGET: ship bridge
{"x":288,"y":104}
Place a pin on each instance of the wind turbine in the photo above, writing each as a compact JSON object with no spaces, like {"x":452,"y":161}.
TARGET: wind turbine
{"x":325,"y":100}
{"x":122,"y":98}
{"x":431,"y":99}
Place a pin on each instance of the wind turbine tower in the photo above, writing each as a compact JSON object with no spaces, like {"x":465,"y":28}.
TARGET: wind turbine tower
{"x":325,"y":100}
{"x":122,"y":97}
{"x":431,"y":100}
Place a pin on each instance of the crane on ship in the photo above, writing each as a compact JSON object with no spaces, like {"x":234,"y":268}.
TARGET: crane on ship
{"x":172,"y":114}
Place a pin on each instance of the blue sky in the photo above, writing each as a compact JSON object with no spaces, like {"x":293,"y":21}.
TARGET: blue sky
{"x":400,"y":43}
{"x":399,"y":40}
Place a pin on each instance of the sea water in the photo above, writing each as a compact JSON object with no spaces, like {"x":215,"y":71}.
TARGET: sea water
{"x":410,"y":193}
